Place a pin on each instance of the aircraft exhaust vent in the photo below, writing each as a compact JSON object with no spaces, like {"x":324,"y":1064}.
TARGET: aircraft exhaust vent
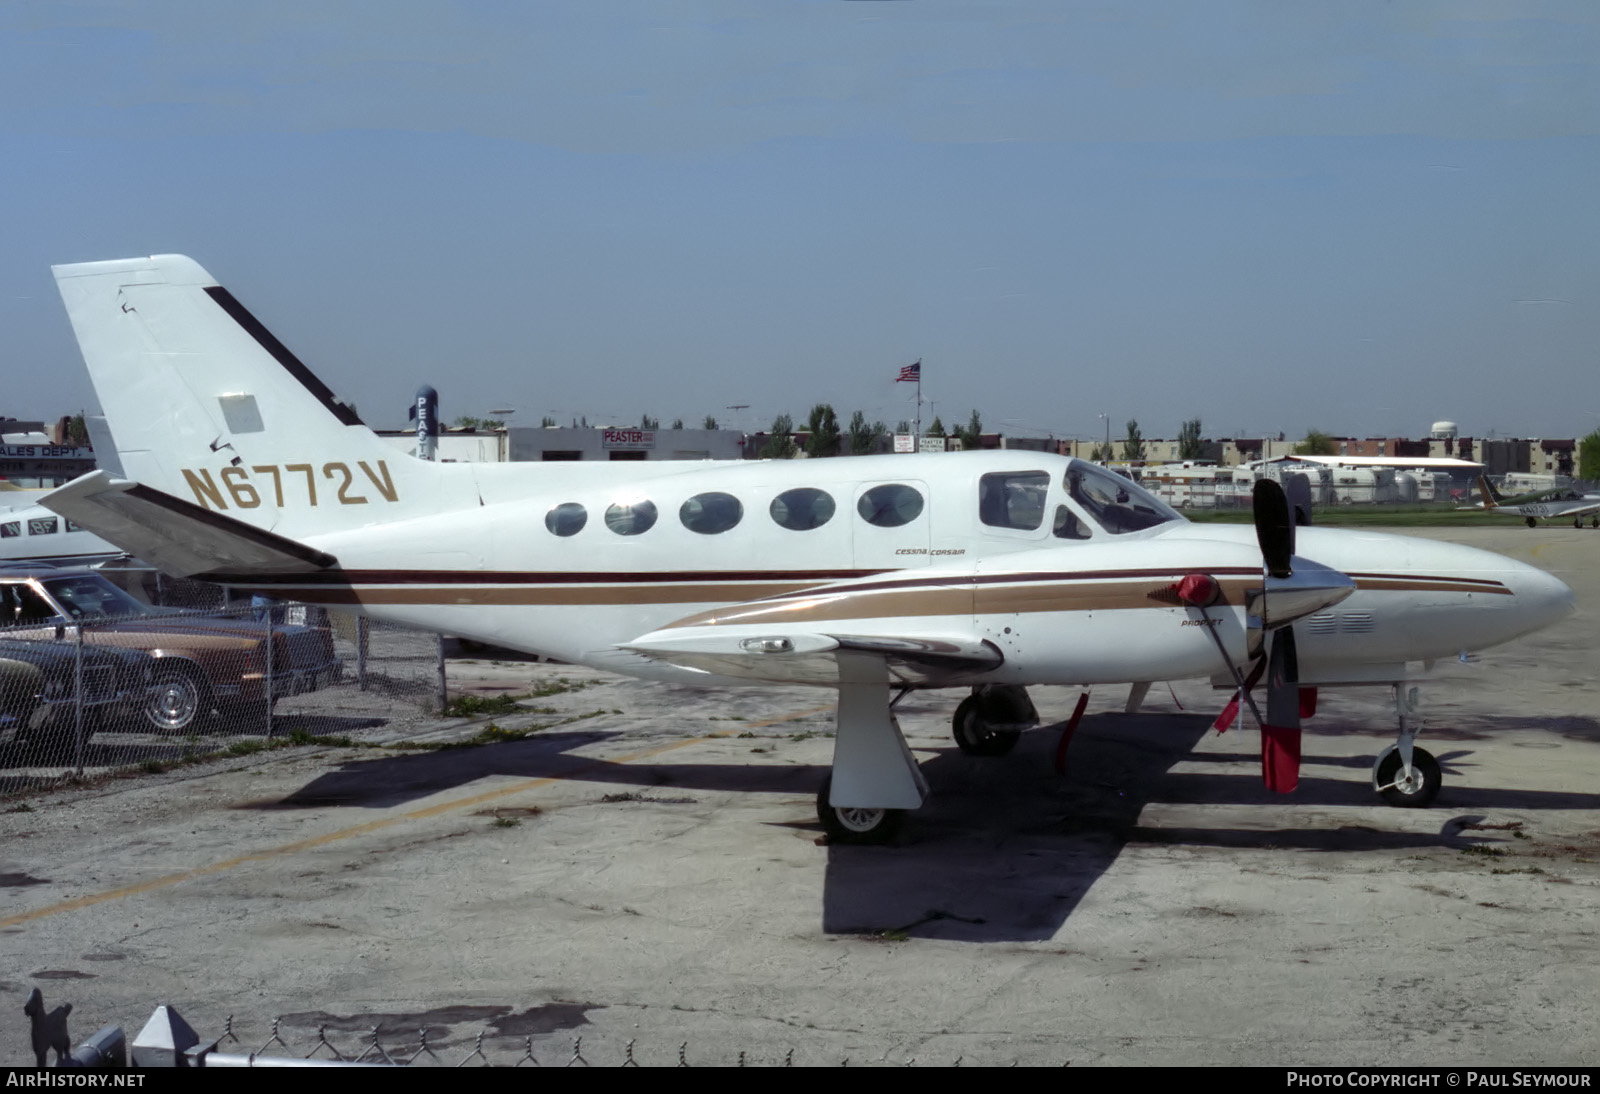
{"x":1356,"y":622}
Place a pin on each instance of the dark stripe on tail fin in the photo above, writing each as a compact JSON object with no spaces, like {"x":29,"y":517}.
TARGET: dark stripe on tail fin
{"x":292,"y":364}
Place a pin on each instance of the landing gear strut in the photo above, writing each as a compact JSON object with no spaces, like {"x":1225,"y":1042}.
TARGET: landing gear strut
{"x":1404,"y":775}
{"x":990,"y":720}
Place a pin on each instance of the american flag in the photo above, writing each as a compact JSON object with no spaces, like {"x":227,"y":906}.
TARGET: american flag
{"x":910,"y":372}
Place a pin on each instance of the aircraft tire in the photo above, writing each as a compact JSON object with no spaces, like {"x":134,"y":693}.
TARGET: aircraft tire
{"x":977,"y":737}
{"x":1532,"y":523}
{"x":848,"y":825}
{"x":1420,"y":793}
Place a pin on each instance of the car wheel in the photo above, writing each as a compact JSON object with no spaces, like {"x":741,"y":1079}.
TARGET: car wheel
{"x":177,"y":700}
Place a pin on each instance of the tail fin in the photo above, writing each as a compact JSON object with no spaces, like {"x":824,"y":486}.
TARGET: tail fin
{"x":1491,"y":496}
{"x":206,"y":404}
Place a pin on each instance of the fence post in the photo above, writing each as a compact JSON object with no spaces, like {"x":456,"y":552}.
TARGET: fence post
{"x":444,"y":685}
{"x":77,"y":703}
{"x":361,"y":652}
{"x":271,"y":668}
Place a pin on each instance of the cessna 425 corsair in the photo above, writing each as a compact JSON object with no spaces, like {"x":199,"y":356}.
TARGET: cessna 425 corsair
{"x":870,"y":575}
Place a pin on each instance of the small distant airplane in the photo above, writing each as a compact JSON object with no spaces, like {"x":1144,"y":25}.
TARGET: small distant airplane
{"x":869,"y":575}
{"x":1552,"y":505}
{"x":31,"y":534}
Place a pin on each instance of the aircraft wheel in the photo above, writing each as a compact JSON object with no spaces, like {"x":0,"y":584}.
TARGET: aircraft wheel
{"x":977,"y":737}
{"x":1594,"y":522}
{"x":850,"y":824}
{"x":1419,"y":791}
{"x":1532,"y":523}
{"x":176,"y":701}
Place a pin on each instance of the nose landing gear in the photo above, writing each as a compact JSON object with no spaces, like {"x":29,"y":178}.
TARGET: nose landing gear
{"x":1404,"y":775}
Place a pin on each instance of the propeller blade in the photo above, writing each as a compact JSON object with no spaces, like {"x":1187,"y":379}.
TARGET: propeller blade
{"x":1280,"y":733}
{"x":1274,"y":528}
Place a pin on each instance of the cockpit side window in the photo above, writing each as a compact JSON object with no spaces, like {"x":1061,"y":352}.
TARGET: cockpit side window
{"x":1068,"y":526}
{"x":1117,"y":504}
{"x":1013,"y":499}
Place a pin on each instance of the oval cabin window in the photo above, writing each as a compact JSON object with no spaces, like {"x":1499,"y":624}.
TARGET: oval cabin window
{"x":711,"y":513}
{"x":566,"y":519}
{"x":631,"y":518}
{"x":890,"y":506}
{"x":802,"y":509}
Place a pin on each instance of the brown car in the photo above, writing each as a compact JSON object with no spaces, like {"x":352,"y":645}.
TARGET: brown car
{"x":204,"y":662}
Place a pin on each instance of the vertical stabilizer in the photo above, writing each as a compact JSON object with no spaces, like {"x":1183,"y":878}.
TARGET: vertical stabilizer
{"x":206,"y":405}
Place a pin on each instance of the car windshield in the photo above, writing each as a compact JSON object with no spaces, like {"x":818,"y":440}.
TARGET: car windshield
{"x":1117,"y":504}
{"x":87,"y":596}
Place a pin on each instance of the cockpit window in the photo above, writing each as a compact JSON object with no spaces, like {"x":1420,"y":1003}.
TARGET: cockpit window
{"x":1068,"y":526}
{"x":1013,"y":499}
{"x":1117,"y":504}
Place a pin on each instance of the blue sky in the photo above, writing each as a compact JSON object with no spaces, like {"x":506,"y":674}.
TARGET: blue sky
{"x":1356,"y":217}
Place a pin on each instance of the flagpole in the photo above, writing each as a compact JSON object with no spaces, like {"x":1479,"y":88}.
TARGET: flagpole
{"x":918,"y":431}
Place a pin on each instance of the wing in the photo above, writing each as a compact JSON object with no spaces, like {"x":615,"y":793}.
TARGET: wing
{"x":177,"y":536}
{"x":782,"y":655}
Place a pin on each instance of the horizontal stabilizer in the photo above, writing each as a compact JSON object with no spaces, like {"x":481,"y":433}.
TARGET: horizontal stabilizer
{"x":176,"y":536}
{"x":787,"y":657}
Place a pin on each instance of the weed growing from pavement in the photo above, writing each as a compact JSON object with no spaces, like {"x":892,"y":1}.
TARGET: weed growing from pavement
{"x":1483,"y":850}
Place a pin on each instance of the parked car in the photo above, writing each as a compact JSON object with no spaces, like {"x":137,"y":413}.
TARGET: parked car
{"x":204,"y":662}
{"x":40,"y":696}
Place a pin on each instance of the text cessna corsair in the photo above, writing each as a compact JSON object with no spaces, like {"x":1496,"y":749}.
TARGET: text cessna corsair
{"x":990,"y":571}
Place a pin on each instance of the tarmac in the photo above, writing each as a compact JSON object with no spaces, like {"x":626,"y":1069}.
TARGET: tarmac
{"x":647,"y":867}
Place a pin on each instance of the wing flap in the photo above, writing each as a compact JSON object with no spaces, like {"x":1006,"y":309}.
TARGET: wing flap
{"x":176,"y":536}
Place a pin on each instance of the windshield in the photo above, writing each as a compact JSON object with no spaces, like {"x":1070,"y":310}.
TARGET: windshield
{"x":89,"y":597}
{"x":1117,"y":504}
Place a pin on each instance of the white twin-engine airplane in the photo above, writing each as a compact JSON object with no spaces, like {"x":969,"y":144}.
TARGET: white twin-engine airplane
{"x":870,"y":575}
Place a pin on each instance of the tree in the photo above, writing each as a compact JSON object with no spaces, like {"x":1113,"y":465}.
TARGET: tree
{"x":677,"y":423}
{"x":648,"y":422}
{"x":77,"y":433}
{"x":1133,"y":443}
{"x":780,"y":442}
{"x":972,"y":436}
{"x":1189,"y":444}
{"x":864,"y":437}
{"x":937,"y":428}
{"x":1589,"y":457}
{"x":547,"y":422}
{"x":1317,"y":443}
{"x":1101,"y":453}
{"x":478,"y":423}
{"x":823,"y":428}
{"x":902,"y":426}
{"x":711,"y":423}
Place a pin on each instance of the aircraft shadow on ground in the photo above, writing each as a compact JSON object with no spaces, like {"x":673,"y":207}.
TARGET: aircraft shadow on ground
{"x":1005,"y":849}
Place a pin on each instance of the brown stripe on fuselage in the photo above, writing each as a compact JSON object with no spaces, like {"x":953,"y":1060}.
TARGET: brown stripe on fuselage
{"x":1387,"y":583}
{"x":530,"y":596}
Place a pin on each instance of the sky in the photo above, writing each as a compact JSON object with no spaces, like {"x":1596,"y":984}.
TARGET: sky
{"x":1357,"y":218}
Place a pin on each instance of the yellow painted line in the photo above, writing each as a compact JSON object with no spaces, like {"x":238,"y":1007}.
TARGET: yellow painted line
{"x":374,"y":826}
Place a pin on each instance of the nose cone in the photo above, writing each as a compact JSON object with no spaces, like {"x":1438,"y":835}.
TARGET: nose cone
{"x":1539,"y":598}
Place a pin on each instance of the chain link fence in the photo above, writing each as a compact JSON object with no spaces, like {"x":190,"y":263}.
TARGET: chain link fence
{"x":87,"y":692}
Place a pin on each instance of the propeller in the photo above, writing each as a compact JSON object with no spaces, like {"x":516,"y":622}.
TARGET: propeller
{"x":1287,"y":594}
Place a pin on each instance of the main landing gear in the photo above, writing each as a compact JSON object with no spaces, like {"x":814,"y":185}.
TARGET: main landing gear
{"x":855,"y":824}
{"x":991,"y":720}
{"x":1405,"y":775}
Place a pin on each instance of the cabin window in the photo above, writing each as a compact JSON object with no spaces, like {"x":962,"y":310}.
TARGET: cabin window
{"x":566,"y":519}
{"x":74,"y":526}
{"x":802,"y":509}
{"x":1013,"y":499}
{"x":43,"y":526}
{"x":10,"y":528}
{"x":631,"y":518}
{"x":711,"y":513}
{"x":890,"y":506}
